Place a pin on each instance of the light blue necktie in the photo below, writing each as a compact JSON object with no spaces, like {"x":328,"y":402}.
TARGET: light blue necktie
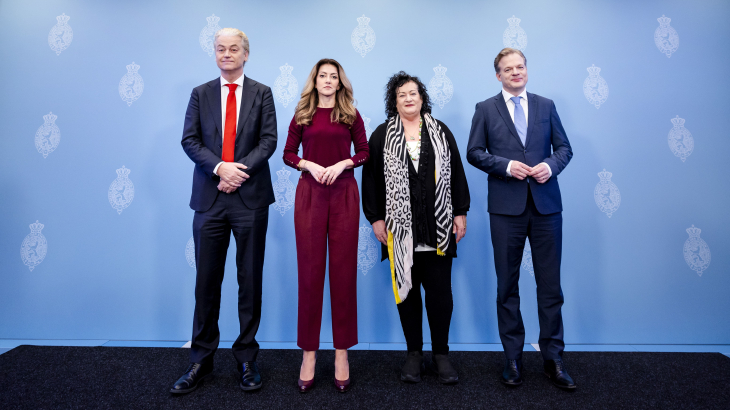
{"x":520,"y":121}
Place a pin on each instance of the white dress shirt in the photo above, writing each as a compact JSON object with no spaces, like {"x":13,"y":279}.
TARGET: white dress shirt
{"x":224,"y":101}
{"x":511,"y":108}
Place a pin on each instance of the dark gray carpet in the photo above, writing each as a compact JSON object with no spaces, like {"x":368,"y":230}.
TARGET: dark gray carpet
{"x":119,"y":377}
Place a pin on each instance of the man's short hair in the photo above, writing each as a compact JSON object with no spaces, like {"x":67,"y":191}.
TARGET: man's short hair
{"x":233,"y":32}
{"x":504,"y":53}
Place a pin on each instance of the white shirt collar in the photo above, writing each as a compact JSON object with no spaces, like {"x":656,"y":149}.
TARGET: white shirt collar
{"x":238,"y":81}
{"x":507,"y":95}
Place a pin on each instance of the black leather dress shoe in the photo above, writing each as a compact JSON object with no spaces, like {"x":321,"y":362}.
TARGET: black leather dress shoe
{"x":193,"y":377}
{"x":411,"y":371}
{"x":441,"y":365}
{"x":512,"y":374}
{"x":250,"y":377}
{"x":558,"y":374}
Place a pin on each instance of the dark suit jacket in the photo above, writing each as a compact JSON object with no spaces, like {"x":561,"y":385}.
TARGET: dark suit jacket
{"x":255,"y":142}
{"x":493,"y":142}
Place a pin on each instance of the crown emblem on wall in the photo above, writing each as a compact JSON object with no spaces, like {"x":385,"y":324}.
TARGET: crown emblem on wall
{"x":37,"y":227}
{"x":62,"y":19}
{"x":605,"y":175}
{"x":123,"y":172}
{"x":363,"y":21}
{"x":663,"y":21}
{"x":692,"y":231}
{"x":283,"y":173}
{"x":213,"y":20}
{"x":132,"y":68}
{"x":50,"y":118}
{"x":593,"y":70}
{"x":286,"y":69}
{"x":440,"y":70}
{"x":678,"y":122}
{"x":513,"y":21}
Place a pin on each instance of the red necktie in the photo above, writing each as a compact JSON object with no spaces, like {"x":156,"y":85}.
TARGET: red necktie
{"x":229,"y":134}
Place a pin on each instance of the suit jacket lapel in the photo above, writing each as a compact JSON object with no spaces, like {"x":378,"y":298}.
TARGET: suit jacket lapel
{"x":531,"y":115}
{"x":248,"y":95}
{"x":504,"y":112}
{"x":214,"y":103}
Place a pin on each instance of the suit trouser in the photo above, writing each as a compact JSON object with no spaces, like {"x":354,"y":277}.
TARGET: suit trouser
{"x":508,"y":239}
{"x":327,"y":216}
{"x":434,"y":273}
{"x":212,"y":232}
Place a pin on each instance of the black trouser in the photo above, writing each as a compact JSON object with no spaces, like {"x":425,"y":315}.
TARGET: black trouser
{"x":434,"y":273}
{"x":546,"y":241}
{"x":212,"y":232}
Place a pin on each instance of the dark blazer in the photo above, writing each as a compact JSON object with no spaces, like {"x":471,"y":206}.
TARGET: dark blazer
{"x":493,"y":142}
{"x":373,"y":184}
{"x":255,"y":142}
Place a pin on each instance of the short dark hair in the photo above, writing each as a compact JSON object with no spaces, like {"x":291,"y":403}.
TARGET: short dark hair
{"x":504,"y":53}
{"x":397,"y":81}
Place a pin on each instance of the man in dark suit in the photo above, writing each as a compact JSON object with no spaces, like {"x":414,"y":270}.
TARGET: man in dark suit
{"x":230,"y":134}
{"x":517,"y":138}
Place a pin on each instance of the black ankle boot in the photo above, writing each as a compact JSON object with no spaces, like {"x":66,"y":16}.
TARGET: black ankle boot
{"x":411,"y":371}
{"x":441,"y":365}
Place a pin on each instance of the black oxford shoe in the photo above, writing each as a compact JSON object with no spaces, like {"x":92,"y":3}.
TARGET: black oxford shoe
{"x":557,"y":373}
{"x":411,"y":371}
{"x":441,"y":365}
{"x":193,"y":377}
{"x":250,"y":377}
{"x":512,"y":374}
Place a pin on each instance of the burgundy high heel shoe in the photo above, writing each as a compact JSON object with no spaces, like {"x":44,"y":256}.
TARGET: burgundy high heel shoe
{"x":305,"y":386}
{"x":342,"y":385}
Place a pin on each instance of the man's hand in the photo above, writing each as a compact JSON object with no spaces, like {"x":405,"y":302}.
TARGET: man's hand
{"x":232,"y":174}
{"x":331,"y":173}
{"x":541,"y":173}
{"x":460,"y":226}
{"x":519,"y":170}
{"x":316,"y":170}
{"x":224,"y":186}
{"x":381,"y":234}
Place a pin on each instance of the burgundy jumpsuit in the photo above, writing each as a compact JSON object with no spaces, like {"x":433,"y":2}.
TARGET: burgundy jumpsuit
{"x":327,"y":215}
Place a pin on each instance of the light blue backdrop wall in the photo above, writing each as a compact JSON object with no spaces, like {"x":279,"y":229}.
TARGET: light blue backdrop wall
{"x":110,"y":275}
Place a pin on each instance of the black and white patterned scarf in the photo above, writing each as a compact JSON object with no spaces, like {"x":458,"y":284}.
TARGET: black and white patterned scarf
{"x":398,"y":217}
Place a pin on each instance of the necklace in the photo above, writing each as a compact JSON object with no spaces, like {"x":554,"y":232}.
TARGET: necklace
{"x":420,"y":123}
{"x":414,"y":147}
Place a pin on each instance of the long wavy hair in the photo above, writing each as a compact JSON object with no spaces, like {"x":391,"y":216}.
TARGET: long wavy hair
{"x":397,"y":81}
{"x":344,"y":111}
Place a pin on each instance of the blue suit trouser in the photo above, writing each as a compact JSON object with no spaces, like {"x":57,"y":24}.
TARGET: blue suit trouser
{"x":508,"y":240}
{"x":212,"y":231}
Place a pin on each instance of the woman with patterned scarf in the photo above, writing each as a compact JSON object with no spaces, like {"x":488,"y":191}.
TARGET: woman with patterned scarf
{"x":415,"y":194}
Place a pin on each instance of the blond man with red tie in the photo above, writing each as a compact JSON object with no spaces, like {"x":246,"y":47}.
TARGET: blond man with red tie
{"x":230,"y":134}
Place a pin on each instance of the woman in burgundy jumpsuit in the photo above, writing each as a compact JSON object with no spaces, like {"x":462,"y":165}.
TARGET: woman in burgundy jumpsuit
{"x":326,"y":212}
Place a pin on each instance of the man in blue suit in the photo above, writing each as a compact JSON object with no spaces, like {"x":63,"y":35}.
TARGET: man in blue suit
{"x":517,"y":138}
{"x":230,"y":134}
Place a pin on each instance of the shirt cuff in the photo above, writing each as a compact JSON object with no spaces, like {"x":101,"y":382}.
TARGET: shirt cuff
{"x":509,"y":167}
{"x":215,"y":170}
{"x":549,"y":169}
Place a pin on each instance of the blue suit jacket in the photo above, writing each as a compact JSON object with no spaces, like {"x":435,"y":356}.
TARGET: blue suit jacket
{"x":255,"y":142}
{"x":493,"y":142}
